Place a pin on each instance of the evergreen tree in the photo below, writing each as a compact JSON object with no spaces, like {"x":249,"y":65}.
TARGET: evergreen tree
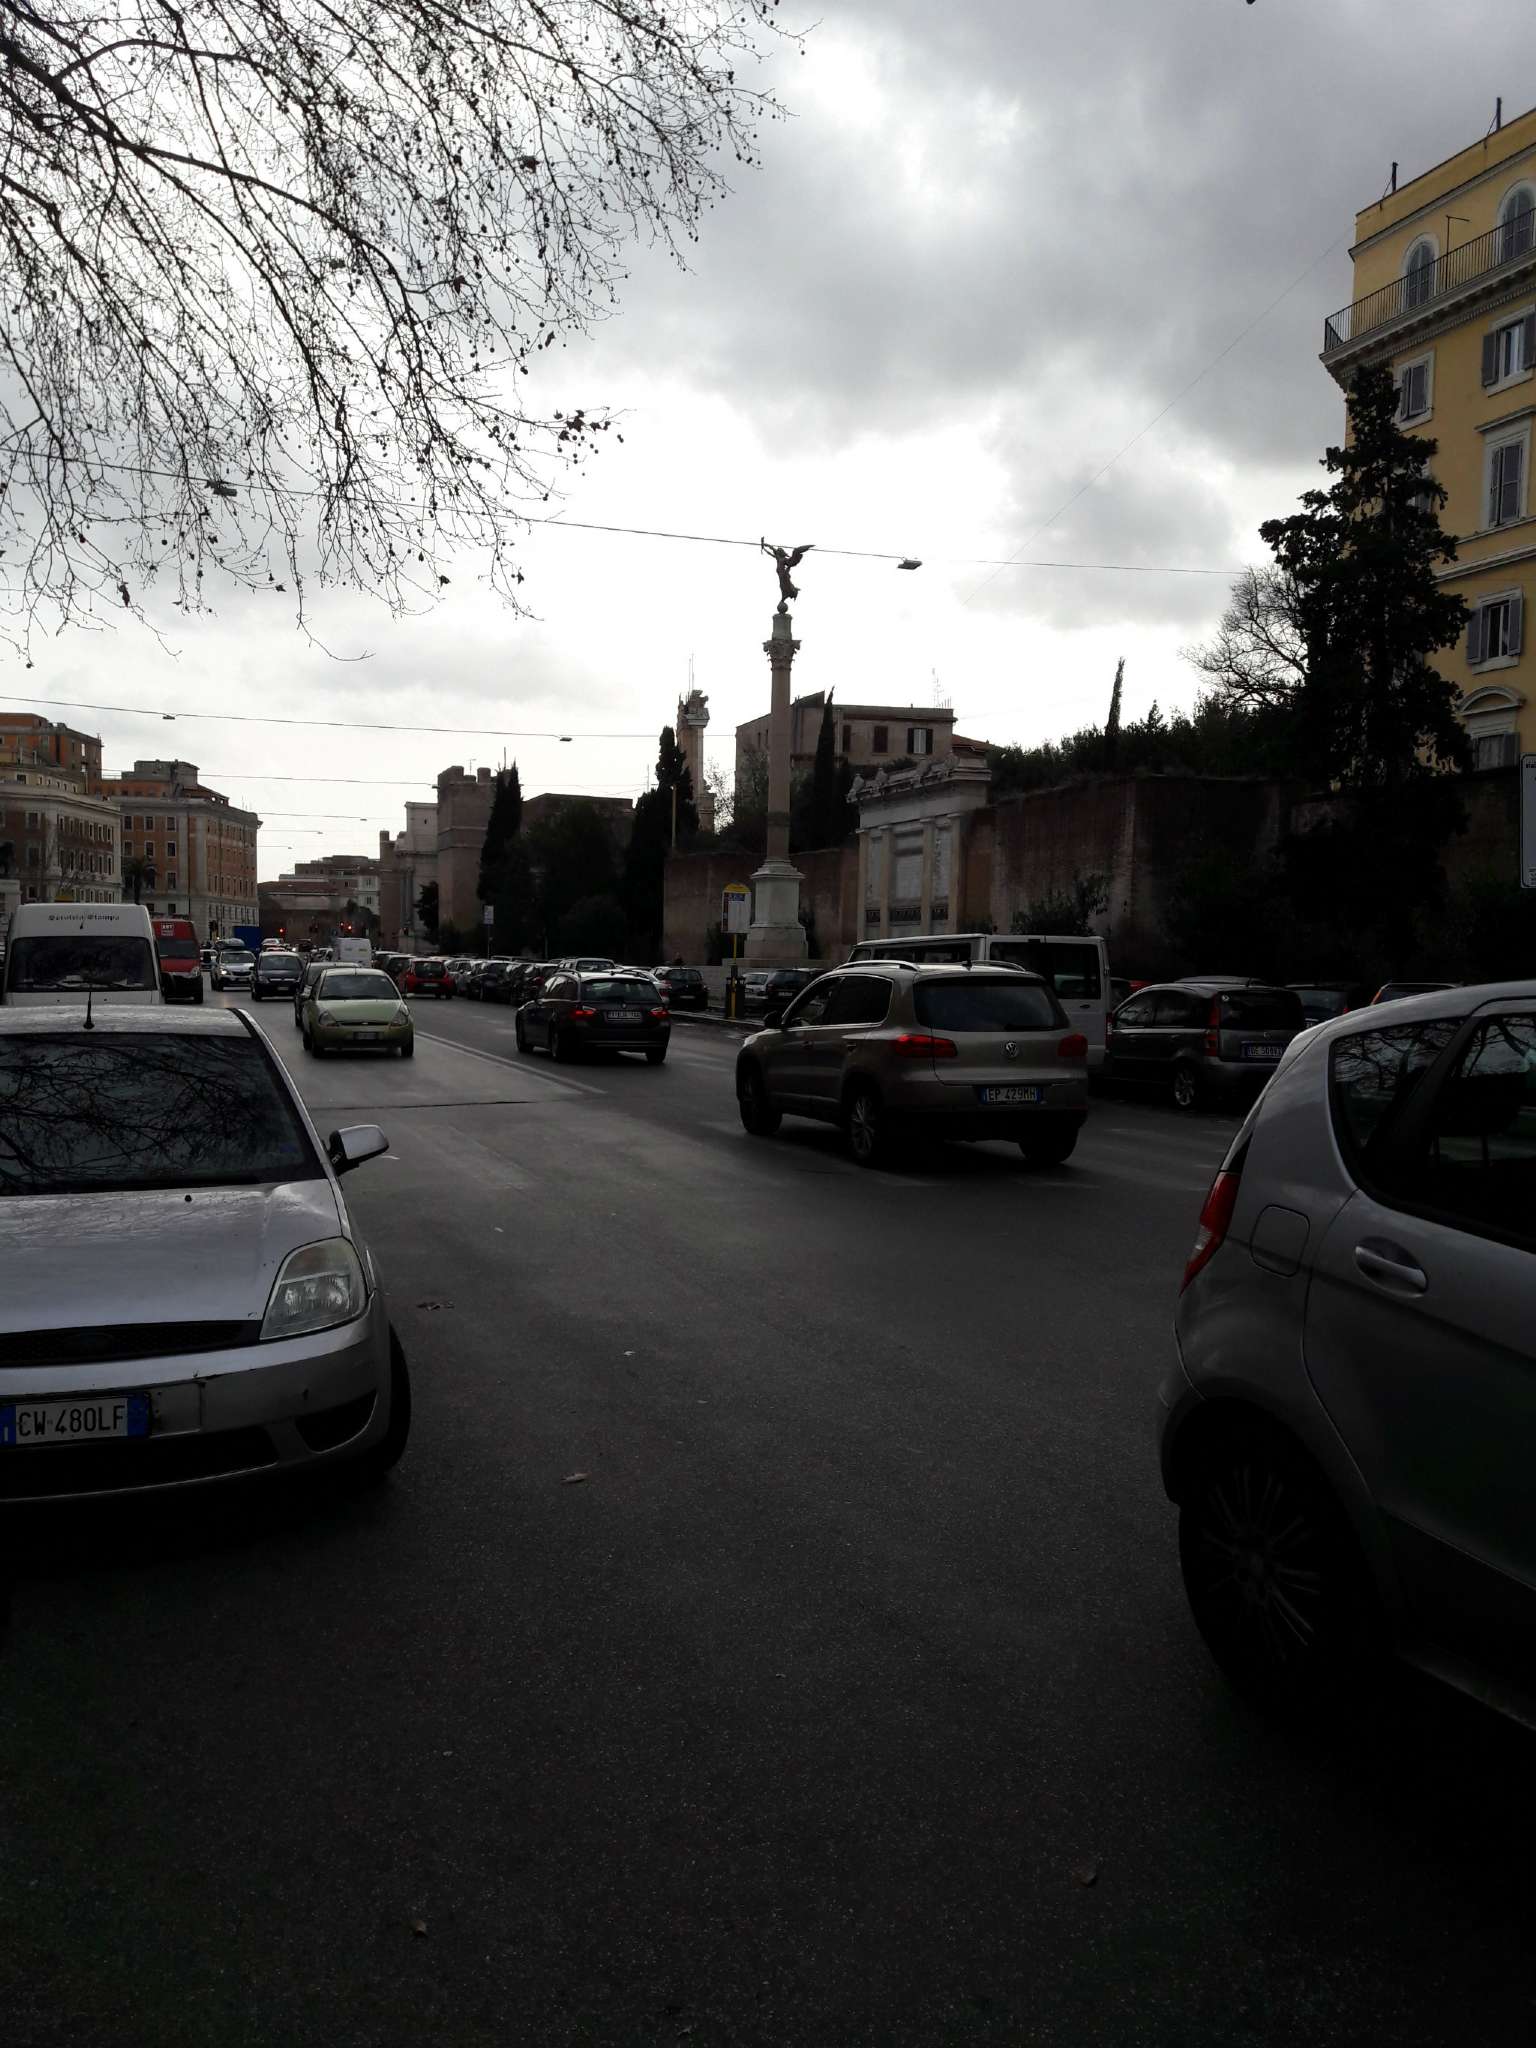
{"x":1373,"y":713}
{"x":1112,"y":723}
{"x":505,"y":880}
{"x":651,"y":838}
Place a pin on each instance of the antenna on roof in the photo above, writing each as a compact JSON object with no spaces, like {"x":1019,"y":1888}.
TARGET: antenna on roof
{"x":1498,"y":115}
{"x":1392,"y":181}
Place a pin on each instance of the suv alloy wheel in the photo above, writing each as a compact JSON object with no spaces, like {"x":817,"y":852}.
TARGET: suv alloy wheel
{"x":759,"y":1118}
{"x":864,"y":1124}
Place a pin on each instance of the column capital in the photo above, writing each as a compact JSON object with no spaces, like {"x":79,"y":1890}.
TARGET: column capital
{"x":781,"y":651}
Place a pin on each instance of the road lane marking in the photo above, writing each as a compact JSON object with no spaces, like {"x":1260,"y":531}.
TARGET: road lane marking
{"x":520,"y":1065}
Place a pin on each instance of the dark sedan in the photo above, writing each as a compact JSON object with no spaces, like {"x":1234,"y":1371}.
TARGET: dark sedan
{"x":582,"y":1013}
{"x":276,"y":974}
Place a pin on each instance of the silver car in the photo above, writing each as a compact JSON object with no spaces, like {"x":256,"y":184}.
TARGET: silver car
{"x":888,"y":1050}
{"x":186,"y":1296}
{"x":1350,"y":1431}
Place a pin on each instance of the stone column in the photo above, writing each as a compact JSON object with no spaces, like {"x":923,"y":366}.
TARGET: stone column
{"x":777,"y":937}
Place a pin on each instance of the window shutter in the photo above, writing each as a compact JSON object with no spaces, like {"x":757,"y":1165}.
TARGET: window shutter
{"x":1514,"y":456}
{"x":1528,"y":341}
{"x":1491,"y":358}
{"x":1516,"y":622}
{"x":1477,"y":627}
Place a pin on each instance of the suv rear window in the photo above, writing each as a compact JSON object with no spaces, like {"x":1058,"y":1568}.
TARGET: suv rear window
{"x":635,"y":993}
{"x":1262,"y":1009}
{"x":144,"y":1110}
{"x":977,"y":1004}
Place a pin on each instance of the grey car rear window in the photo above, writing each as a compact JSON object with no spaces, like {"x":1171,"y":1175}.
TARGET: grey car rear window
{"x":1374,"y":1072}
{"x":1261,"y":1009}
{"x":977,"y":1004}
{"x":369,"y":986}
{"x":139,"y":1110}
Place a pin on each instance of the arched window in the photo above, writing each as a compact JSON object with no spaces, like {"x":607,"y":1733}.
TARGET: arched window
{"x":1419,"y":271}
{"x":1517,"y":219}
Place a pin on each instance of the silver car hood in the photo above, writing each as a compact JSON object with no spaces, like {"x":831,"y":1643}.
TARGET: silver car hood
{"x":76,"y":1261}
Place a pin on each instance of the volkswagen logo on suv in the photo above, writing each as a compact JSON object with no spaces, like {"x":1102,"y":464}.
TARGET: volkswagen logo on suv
{"x":1010,"y":1049}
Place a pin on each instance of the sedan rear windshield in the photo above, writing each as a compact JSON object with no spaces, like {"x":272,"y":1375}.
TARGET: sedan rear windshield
{"x":80,"y":960}
{"x":975,"y":1004}
{"x":682,"y":974}
{"x":429,"y":970}
{"x":1262,"y":1009}
{"x":366,"y":986}
{"x":144,"y":1110}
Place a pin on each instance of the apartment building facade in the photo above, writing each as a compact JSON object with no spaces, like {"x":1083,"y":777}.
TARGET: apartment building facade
{"x":187,"y":851}
{"x":1445,"y":293}
{"x":58,"y":842}
{"x":871,"y":736}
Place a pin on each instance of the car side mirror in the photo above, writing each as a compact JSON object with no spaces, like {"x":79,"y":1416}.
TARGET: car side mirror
{"x":773,"y":1020}
{"x":352,"y":1146}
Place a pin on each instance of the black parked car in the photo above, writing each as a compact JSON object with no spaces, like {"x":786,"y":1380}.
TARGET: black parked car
{"x":1213,"y":1037}
{"x":276,"y":974}
{"x":494,"y":981}
{"x":683,"y":987}
{"x":580,"y":1013}
{"x":313,"y":969}
{"x":777,"y":989}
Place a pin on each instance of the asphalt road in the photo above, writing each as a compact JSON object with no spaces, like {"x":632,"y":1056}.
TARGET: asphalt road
{"x":847,"y":1696}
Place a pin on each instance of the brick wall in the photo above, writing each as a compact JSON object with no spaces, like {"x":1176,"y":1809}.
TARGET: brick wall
{"x":694,"y":882}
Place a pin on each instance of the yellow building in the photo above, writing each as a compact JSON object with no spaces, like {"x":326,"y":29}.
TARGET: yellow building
{"x":1445,"y":282}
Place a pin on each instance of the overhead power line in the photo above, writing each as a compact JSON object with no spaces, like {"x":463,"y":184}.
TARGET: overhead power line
{"x":469,"y":732}
{"x":1142,"y":432}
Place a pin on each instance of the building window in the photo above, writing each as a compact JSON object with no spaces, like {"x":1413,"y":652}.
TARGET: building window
{"x":170,"y":849}
{"x":1419,"y":272}
{"x":880,"y":740}
{"x":847,"y":739}
{"x":1509,"y":350}
{"x":1496,"y":750}
{"x":1517,"y":217}
{"x":1414,"y":395}
{"x":1496,"y":629}
{"x":919,"y":739}
{"x":1506,"y":481}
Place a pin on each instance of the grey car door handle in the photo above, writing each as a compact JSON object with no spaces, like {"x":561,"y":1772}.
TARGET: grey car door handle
{"x":1390,"y":1266}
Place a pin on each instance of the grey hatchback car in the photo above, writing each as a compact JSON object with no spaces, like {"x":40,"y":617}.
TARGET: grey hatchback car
{"x":1350,"y":1430}
{"x":890,"y":1050}
{"x":1208,"y":1039}
{"x":187,"y":1297}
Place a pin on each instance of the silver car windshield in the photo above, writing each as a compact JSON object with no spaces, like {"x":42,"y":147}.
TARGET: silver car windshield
{"x":120,"y":1110}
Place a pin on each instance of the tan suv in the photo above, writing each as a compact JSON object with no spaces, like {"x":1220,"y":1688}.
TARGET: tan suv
{"x":890,"y":1050}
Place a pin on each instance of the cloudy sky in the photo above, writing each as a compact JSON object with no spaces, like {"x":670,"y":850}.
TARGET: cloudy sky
{"x":994,"y":240}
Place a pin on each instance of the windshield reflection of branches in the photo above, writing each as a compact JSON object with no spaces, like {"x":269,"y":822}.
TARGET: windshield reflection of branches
{"x":123,"y":1111}
{"x":55,"y":960}
{"x":1375,"y":1073}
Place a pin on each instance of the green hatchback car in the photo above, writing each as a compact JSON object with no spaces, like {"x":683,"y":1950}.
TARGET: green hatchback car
{"x":356,"y":1008}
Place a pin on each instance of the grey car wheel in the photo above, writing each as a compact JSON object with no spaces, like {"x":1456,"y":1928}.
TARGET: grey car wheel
{"x":759,"y":1118}
{"x":519,"y":1035}
{"x":1274,"y":1580}
{"x":1186,"y":1085}
{"x":864,"y":1125}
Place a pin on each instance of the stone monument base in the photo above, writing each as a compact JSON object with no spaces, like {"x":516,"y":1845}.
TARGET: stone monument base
{"x":776,"y":937}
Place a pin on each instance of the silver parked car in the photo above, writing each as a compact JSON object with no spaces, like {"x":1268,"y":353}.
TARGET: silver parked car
{"x":1350,"y":1431}
{"x":887,"y":1050}
{"x":187,"y":1297}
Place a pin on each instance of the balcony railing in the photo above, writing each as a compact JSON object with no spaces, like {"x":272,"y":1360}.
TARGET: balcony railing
{"x":1504,"y":245}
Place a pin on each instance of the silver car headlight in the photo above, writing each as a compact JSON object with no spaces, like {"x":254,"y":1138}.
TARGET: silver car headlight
{"x":324,"y":1017}
{"x":319,"y":1286}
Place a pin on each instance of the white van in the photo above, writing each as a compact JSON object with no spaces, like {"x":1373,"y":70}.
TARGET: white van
{"x":355,"y":952}
{"x":58,"y":952}
{"x":1077,"y":968}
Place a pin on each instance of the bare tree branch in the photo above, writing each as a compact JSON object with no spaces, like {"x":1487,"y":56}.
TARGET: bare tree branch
{"x":1259,"y":654}
{"x":306,"y":252}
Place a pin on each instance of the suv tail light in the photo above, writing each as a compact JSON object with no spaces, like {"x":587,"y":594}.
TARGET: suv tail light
{"x":1215,"y":1220}
{"x":582,"y":1016}
{"x":1073,"y":1047}
{"x":658,"y":1013}
{"x":922,"y":1045}
{"x":1213,"y":1028}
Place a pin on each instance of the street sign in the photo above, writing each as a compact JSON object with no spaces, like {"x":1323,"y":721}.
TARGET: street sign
{"x":488,"y":915}
{"x":735,"y":908}
{"x":1528,"y":821}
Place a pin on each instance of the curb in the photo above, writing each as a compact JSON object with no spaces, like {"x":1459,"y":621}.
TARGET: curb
{"x":713,"y":1019}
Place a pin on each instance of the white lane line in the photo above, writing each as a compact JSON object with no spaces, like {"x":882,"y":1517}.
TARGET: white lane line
{"x":521,"y":1065}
